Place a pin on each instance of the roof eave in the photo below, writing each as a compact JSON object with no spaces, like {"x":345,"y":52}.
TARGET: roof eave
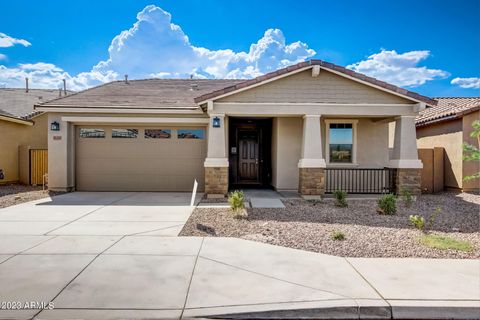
{"x":16,"y":120}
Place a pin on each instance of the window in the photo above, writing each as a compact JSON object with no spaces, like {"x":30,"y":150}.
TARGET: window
{"x":191,"y":133}
{"x":158,"y":133}
{"x":92,"y":133}
{"x":341,"y":141}
{"x":124,"y":133}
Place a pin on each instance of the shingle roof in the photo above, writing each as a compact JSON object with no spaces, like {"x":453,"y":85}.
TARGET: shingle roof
{"x":324,"y":64}
{"x":16,"y":103}
{"x":448,"y":108}
{"x":145,"y":94}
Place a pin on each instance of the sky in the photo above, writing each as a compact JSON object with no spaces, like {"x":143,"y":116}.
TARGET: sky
{"x":429,"y":47}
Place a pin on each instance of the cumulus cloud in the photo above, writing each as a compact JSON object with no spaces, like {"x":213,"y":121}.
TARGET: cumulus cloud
{"x":7,"y":41}
{"x":156,"y":46}
{"x":467,"y":83}
{"x":399,"y":68}
{"x":3,"y":57}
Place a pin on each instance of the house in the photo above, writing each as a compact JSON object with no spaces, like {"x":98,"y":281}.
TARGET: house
{"x":312,"y":127}
{"x":448,"y":125}
{"x":21,"y":129}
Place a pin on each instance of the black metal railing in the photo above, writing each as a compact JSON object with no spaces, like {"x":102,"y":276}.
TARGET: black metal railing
{"x":360,"y":180}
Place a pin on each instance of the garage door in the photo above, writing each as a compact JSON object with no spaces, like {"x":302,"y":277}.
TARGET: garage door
{"x":116,"y":158}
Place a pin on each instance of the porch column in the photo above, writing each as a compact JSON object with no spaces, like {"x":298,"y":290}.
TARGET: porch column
{"x":312,"y":163}
{"x":216,"y":163}
{"x":405,"y":155}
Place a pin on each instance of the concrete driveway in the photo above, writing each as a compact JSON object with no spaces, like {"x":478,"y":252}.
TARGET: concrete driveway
{"x":115,"y":256}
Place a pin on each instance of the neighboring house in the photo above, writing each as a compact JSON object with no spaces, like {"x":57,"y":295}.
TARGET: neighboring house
{"x":448,"y":125}
{"x":312,"y":127}
{"x":20,"y":125}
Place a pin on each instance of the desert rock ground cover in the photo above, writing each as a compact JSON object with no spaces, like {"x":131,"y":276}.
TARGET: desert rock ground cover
{"x":309,"y":225}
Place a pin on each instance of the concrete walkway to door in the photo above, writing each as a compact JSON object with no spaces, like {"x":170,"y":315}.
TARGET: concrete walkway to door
{"x":101,"y":264}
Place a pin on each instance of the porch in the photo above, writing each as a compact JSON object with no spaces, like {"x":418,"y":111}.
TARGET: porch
{"x":312,"y":154}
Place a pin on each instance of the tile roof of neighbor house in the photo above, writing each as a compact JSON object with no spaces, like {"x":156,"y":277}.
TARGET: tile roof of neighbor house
{"x":448,"y":108}
{"x":323,"y":64}
{"x":142,"y":94}
{"x":186,"y":93}
{"x":17,"y":103}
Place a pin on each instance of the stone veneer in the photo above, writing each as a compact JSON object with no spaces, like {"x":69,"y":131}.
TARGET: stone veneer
{"x":216,"y":180}
{"x":311,"y":181}
{"x":409,"y":179}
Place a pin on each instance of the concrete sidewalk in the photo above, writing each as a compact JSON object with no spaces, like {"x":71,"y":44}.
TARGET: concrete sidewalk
{"x":158,"y":277}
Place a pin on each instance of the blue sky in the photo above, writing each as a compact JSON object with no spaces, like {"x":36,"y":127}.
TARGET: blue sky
{"x":423,"y":46}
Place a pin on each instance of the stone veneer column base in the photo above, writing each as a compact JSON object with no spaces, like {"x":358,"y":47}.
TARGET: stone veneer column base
{"x":409,"y":179}
{"x":216,"y":181}
{"x":311,"y":181}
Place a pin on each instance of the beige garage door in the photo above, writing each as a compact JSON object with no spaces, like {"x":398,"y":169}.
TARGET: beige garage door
{"x":118,"y":158}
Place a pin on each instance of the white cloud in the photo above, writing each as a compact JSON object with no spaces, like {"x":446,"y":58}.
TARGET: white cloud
{"x":399,"y":69}
{"x":467,"y":83}
{"x":7,"y":41}
{"x":3,"y":57}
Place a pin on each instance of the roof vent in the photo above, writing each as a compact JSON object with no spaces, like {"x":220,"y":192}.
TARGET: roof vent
{"x":193,"y":87}
{"x":26,"y":84}
{"x":126,"y":78}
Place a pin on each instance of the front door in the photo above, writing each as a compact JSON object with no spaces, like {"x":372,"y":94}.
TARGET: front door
{"x":248,"y":156}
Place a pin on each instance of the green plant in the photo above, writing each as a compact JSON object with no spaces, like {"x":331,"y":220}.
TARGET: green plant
{"x":407,"y":197}
{"x":338,"y":235}
{"x":387,"y":204}
{"x":433,"y":217}
{"x":443,"y":242}
{"x":470,"y":152}
{"x":340,"y":198}
{"x":417,"y":221}
{"x":236,"y":199}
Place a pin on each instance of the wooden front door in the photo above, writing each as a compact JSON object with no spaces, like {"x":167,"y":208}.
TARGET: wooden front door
{"x":248,"y":160}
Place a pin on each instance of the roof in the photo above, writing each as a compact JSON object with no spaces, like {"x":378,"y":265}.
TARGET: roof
{"x":144,"y":94}
{"x":323,"y":64}
{"x":16,"y":103}
{"x":448,"y":108}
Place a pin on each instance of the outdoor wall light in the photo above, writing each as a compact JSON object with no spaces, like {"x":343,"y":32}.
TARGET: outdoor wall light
{"x":216,"y":122}
{"x":55,"y":126}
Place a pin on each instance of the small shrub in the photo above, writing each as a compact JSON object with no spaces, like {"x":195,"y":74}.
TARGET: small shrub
{"x":338,"y":235}
{"x":407,"y":197}
{"x":340,"y":198}
{"x":444,"y":243}
{"x":387,"y":204}
{"x":433,"y":217}
{"x":236,"y":199}
{"x":417,"y":221}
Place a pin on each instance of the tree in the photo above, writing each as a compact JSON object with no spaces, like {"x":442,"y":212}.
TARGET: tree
{"x":470,"y":152}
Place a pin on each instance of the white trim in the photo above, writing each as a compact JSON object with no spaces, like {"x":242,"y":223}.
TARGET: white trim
{"x":134,"y":120}
{"x":354,"y":123}
{"x":16,"y":120}
{"x":312,"y":163}
{"x":315,"y":71}
{"x":406,"y":164}
{"x":195,"y":110}
{"x":215,"y":162}
{"x":319,"y":104}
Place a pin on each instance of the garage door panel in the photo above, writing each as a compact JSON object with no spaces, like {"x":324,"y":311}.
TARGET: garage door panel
{"x":138,"y":164}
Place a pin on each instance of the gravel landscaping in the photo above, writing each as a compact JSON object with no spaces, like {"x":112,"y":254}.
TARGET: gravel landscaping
{"x":12,"y":194}
{"x":309,"y":225}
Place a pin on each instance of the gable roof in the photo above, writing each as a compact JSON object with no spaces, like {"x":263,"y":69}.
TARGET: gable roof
{"x":17,"y":105}
{"x":448,"y":108}
{"x":142,"y":94}
{"x":327,"y":65}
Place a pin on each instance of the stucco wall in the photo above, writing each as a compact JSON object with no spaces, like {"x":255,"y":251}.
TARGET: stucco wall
{"x":470,"y":167}
{"x":449,"y":136}
{"x":326,"y":88}
{"x":12,"y":135}
{"x":286,"y":148}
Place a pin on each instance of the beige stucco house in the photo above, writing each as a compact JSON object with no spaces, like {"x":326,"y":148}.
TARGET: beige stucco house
{"x":312,"y":127}
{"x":21,"y":129}
{"x":448,"y":125}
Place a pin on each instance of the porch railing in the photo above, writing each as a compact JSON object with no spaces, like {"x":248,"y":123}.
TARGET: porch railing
{"x":360,"y":180}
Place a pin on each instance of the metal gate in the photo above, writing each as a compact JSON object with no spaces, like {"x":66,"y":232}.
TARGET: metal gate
{"x":38,"y":166}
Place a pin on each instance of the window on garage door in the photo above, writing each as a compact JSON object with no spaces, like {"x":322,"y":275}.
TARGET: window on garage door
{"x":124,"y":133}
{"x":191,"y":134}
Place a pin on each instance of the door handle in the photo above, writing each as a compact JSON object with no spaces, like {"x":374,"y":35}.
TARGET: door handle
{"x":256,"y":161}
